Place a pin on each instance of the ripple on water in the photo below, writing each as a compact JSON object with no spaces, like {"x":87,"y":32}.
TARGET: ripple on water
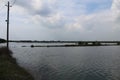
{"x":94,"y":63}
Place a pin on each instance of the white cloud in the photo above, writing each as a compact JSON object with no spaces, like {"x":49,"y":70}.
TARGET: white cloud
{"x":65,"y":20}
{"x":37,"y":4}
{"x":116,"y":5}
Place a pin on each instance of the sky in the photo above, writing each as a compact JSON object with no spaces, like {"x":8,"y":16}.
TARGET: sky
{"x":61,"y":19}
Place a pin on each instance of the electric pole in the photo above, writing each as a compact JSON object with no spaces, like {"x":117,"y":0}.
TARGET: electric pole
{"x":8,"y":10}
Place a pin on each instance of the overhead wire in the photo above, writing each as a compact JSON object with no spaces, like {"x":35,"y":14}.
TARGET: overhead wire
{"x":13,"y":2}
{"x":2,"y":12}
{"x":3,"y":4}
{"x":2,"y":7}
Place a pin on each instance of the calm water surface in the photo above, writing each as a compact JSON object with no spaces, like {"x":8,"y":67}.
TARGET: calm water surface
{"x":70,"y":63}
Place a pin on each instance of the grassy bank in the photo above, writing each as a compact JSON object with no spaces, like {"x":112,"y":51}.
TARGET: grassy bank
{"x":9,"y":69}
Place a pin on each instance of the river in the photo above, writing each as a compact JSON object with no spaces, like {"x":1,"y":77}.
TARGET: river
{"x":69,"y":63}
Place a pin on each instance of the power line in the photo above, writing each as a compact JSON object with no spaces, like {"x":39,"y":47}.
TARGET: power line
{"x":2,"y":8}
{"x":1,"y":5}
{"x":5,"y":3}
{"x":14,"y":2}
{"x":2,"y":11}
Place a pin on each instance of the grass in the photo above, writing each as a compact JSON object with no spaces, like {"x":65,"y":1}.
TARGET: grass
{"x":9,"y":69}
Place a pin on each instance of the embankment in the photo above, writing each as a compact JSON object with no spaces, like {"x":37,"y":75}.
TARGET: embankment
{"x":9,"y":69}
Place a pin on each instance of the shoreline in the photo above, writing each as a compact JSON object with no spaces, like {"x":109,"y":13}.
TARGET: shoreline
{"x":68,"y":45}
{"x":9,"y":68}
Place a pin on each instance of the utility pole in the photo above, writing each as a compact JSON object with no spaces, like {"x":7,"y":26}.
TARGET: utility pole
{"x":8,"y":10}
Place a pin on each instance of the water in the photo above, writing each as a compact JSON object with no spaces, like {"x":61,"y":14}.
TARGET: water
{"x":70,"y":63}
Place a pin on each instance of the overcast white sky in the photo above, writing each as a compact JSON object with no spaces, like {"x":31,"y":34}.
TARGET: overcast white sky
{"x":62,"y":20}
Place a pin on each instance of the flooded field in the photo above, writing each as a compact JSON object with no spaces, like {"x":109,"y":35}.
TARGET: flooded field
{"x":69,"y":63}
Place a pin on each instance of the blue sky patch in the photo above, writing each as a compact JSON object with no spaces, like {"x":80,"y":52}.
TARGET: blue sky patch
{"x":93,"y":7}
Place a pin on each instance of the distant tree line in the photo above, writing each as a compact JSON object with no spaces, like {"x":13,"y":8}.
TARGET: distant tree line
{"x":2,"y":40}
{"x":35,"y":41}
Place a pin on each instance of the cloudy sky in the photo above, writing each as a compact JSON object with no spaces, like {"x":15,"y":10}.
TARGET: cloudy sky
{"x":62,"y":20}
